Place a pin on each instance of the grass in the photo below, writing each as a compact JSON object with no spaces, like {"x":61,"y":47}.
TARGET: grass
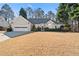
{"x":42,"y":43}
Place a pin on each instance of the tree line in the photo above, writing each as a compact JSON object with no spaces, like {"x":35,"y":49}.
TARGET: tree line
{"x":37,"y":13}
{"x":28,"y":12}
{"x":68,"y":13}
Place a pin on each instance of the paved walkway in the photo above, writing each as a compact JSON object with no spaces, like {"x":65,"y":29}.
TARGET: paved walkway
{"x":3,"y":37}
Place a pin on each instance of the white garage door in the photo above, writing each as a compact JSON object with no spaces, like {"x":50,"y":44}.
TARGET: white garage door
{"x":21,"y":29}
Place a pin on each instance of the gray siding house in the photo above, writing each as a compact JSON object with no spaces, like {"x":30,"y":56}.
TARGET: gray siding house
{"x":22,"y":24}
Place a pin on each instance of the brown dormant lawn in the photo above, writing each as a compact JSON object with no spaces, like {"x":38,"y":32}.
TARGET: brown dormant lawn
{"x":42,"y":43}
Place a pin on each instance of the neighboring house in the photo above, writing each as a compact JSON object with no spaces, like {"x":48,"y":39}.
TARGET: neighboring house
{"x":3,"y":22}
{"x":22,"y":24}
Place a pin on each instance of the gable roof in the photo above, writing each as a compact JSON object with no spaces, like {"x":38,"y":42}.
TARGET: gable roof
{"x":56,"y":22}
{"x":38,"y":21}
{"x":19,"y":20}
{"x":33,"y":20}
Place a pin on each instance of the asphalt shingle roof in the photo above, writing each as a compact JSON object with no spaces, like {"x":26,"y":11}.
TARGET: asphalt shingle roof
{"x":38,"y":21}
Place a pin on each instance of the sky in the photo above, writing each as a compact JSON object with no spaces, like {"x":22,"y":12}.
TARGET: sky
{"x":45,"y":6}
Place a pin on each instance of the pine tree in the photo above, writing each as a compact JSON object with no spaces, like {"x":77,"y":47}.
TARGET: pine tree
{"x":62,"y":14}
{"x":22,"y":12}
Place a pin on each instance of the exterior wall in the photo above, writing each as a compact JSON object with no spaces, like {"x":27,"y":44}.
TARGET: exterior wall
{"x":50,"y":24}
{"x":39,"y":25}
{"x":59,"y":25}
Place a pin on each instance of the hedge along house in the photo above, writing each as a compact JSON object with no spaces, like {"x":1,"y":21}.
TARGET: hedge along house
{"x":22,"y":24}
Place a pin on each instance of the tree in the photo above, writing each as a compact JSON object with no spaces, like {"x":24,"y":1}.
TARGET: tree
{"x":39,"y":13}
{"x":70,"y":8}
{"x":71,"y":13}
{"x":46,"y":16}
{"x":51,"y":15}
{"x":7,"y":12}
{"x":62,"y":14}
{"x":22,"y":12}
{"x":74,"y":14}
{"x":29,"y":12}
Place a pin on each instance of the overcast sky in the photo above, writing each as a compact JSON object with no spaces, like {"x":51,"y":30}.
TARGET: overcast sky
{"x":45,"y":6}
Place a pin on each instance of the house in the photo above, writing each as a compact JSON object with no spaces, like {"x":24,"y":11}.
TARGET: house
{"x":45,"y":23}
{"x":22,"y":24}
{"x":3,"y":22}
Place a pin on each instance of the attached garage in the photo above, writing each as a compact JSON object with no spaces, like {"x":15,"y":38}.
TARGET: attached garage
{"x":20,"y":24}
{"x":20,"y":29}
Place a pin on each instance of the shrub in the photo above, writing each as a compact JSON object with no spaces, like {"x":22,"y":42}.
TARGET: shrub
{"x":46,"y":29}
{"x":61,"y":28}
{"x":67,"y":27}
{"x":33,"y":28}
{"x":38,"y":29}
{"x":9,"y":29}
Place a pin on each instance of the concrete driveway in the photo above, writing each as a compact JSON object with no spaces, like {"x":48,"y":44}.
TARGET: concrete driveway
{"x":8,"y":35}
{"x":15,"y":33}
